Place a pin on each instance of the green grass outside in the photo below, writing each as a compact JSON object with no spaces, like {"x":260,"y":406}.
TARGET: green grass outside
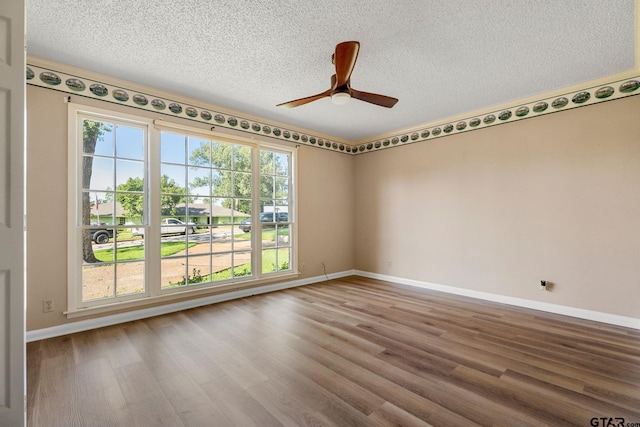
{"x":269,"y":260}
{"x":269,"y":234}
{"x":132,"y":253}
{"x":241,"y":270}
{"x":268,"y":265}
{"x":125,"y":234}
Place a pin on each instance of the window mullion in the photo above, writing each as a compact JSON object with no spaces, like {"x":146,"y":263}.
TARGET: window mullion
{"x":152,"y":215}
{"x":74,"y":247}
{"x":293,"y":200}
{"x":256,"y":228}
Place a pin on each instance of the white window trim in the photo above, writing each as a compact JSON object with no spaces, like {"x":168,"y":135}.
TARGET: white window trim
{"x":153,"y":293}
{"x":74,"y":183}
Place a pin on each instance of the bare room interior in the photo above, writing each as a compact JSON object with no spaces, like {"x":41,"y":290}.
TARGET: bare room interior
{"x":416,"y":213}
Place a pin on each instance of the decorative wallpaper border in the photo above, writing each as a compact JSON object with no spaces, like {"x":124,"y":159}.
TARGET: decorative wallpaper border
{"x":75,"y":85}
{"x":43,"y":77}
{"x":567,"y":101}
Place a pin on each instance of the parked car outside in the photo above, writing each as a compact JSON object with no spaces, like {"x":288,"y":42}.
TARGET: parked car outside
{"x":101,"y":235}
{"x":169,"y":226}
{"x":245,"y":224}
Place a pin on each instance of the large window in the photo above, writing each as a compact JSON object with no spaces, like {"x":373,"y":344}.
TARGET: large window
{"x":157,"y":209}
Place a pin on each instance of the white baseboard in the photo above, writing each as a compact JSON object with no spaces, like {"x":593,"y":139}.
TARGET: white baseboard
{"x":629,"y":322}
{"x":85,"y":325}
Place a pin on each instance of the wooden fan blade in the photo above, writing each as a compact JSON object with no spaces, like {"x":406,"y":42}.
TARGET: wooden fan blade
{"x":302,"y":101}
{"x":345,"y":59}
{"x":374,"y":98}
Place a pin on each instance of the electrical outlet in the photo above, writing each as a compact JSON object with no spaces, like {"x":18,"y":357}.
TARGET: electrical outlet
{"x":545,"y":285}
{"x":47,"y":305}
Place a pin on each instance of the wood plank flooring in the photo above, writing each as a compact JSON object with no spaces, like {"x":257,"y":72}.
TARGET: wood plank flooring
{"x":352,"y":351}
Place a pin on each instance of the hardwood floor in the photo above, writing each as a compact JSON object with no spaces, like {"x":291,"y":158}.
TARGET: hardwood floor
{"x":351,"y":351}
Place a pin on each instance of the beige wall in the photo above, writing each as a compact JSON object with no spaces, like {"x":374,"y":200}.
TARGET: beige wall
{"x":326,"y":208}
{"x":46,"y":206}
{"x":496,"y":210}
{"x":326,"y":211}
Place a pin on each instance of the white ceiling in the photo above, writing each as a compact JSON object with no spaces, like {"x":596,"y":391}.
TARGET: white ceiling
{"x":440,"y":58}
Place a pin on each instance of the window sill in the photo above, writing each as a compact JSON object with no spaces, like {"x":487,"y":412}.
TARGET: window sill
{"x":185,"y":296}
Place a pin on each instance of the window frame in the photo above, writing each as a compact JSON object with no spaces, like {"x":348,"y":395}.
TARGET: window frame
{"x":75,"y":153}
{"x":276,"y":223}
{"x":153,"y":292}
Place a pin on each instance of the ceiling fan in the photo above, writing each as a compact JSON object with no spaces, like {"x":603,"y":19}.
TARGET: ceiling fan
{"x":341,"y":91}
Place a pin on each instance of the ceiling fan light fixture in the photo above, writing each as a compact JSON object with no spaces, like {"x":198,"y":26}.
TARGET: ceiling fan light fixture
{"x":340,"y":90}
{"x":340,"y":98}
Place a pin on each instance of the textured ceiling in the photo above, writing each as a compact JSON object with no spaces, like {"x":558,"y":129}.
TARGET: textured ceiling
{"x":440,"y":58}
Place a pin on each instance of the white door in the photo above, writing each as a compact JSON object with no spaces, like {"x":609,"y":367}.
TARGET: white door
{"x":12,"y":279}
